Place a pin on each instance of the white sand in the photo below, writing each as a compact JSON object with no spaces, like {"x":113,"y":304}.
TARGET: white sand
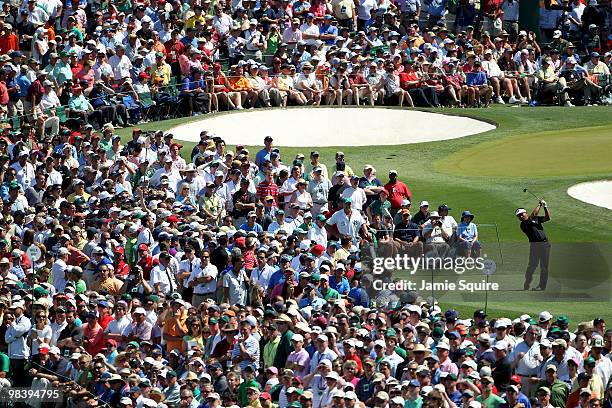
{"x":318,"y":127}
{"x":598,"y":193}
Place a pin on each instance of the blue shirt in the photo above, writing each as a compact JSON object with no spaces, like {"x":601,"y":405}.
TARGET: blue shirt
{"x":24,"y":83}
{"x":262,"y":156}
{"x":257,"y":228}
{"x":189,"y":84}
{"x":467,"y":231}
{"x":360,"y":296}
{"x":476,"y":78}
{"x":17,"y":270}
{"x":342,"y":287}
{"x":437,"y":8}
{"x":329,"y":29}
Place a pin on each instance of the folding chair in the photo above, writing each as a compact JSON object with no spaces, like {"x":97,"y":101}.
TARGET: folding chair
{"x":132,"y":107}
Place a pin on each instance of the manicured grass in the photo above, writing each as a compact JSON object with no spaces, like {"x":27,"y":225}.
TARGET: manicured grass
{"x":554,"y":153}
{"x":546,"y":149}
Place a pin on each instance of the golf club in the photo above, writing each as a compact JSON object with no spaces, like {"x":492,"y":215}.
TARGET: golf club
{"x":535,"y":196}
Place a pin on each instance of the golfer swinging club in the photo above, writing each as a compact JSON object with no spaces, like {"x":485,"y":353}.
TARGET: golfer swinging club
{"x":539,"y":247}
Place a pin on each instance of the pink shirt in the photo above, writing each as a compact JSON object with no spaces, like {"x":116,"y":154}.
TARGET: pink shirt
{"x":301,"y":358}
{"x":449,"y":367}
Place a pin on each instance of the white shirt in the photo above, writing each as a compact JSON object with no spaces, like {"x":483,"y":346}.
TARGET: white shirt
{"x":209,"y":287}
{"x":347,"y":226}
{"x":528,"y":364}
{"x":167,"y":282}
{"x":237,"y":287}
{"x":364,"y":9}
{"x":121,"y":66}
{"x":312,"y":29}
{"x":58,"y":273}
{"x":576,"y":14}
{"x":121,"y":326}
{"x":357,"y":196}
{"x":261,"y":277}
{"x":318,"y":235}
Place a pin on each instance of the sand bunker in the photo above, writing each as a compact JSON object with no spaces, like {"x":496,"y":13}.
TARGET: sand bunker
{"x":598,"y":193}
{"x":319,"y":127}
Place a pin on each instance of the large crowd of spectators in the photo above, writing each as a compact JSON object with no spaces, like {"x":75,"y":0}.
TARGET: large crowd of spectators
{"x":75,"y":63}
{"x":144,"y":275}
{"x":134,"y":276}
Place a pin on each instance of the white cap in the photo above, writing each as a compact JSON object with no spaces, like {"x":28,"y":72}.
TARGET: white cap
{"x":499,"y":323}
{"x":474,"y":404}
{"x":297,"y":337}
{"x":423,"y":203}
{"x":414,"y":308}
{"x":140,"y":310}
{"x":501,"y":345}
{"x":442,"y":346}
{"x":545,"y":316}
{"x":520,"y":211}
{"x":380,"y":343}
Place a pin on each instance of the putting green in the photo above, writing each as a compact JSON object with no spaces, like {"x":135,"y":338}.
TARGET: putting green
{"x":575,"y":152}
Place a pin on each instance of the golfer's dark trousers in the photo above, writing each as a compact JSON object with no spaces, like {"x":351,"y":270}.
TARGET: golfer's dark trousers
{"x":539,"y":253}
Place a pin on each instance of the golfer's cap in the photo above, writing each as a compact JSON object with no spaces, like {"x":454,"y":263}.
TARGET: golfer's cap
{"x":501,"y":345}
{"x":393,"y":172}
{"x":520,"y":211}
{"x":424,"y":203}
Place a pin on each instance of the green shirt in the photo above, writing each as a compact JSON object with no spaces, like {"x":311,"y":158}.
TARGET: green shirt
{"x":4,"y":363}
{"x":559,"y":392}
{"x":81,"y":287}
{"x":269,"y":351}
{"x":331,"y":294}
{"x":378,"y":207}
{"x":78,"y":103}
{"x":242,"y":391}
{"x":493,"y":401}
{"x":417,"y":403}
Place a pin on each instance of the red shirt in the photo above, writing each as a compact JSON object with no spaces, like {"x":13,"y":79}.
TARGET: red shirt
{"x":268,"y":189}
{"x":95,"y":336}
{"x":358,"y":79}
{"x":408,"y":77}
{"x":103,"y":321}
{"x":37,"y":90}
{"x":9,"y":43}
{"x":4,"y":96}
{"x":397,"y":192}
{"x":173,"y":50}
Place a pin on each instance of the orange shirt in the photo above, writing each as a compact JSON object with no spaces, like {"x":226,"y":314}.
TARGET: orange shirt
{"x":170,"y":328}
{"x":240,"y":84}
{"x":8,"y":43}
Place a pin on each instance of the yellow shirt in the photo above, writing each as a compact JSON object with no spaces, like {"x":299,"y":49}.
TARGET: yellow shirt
{"x":161,"y":74}
{"x":191,"y":21}
{"x":547,"y":74}
{"x":284,"y":83}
